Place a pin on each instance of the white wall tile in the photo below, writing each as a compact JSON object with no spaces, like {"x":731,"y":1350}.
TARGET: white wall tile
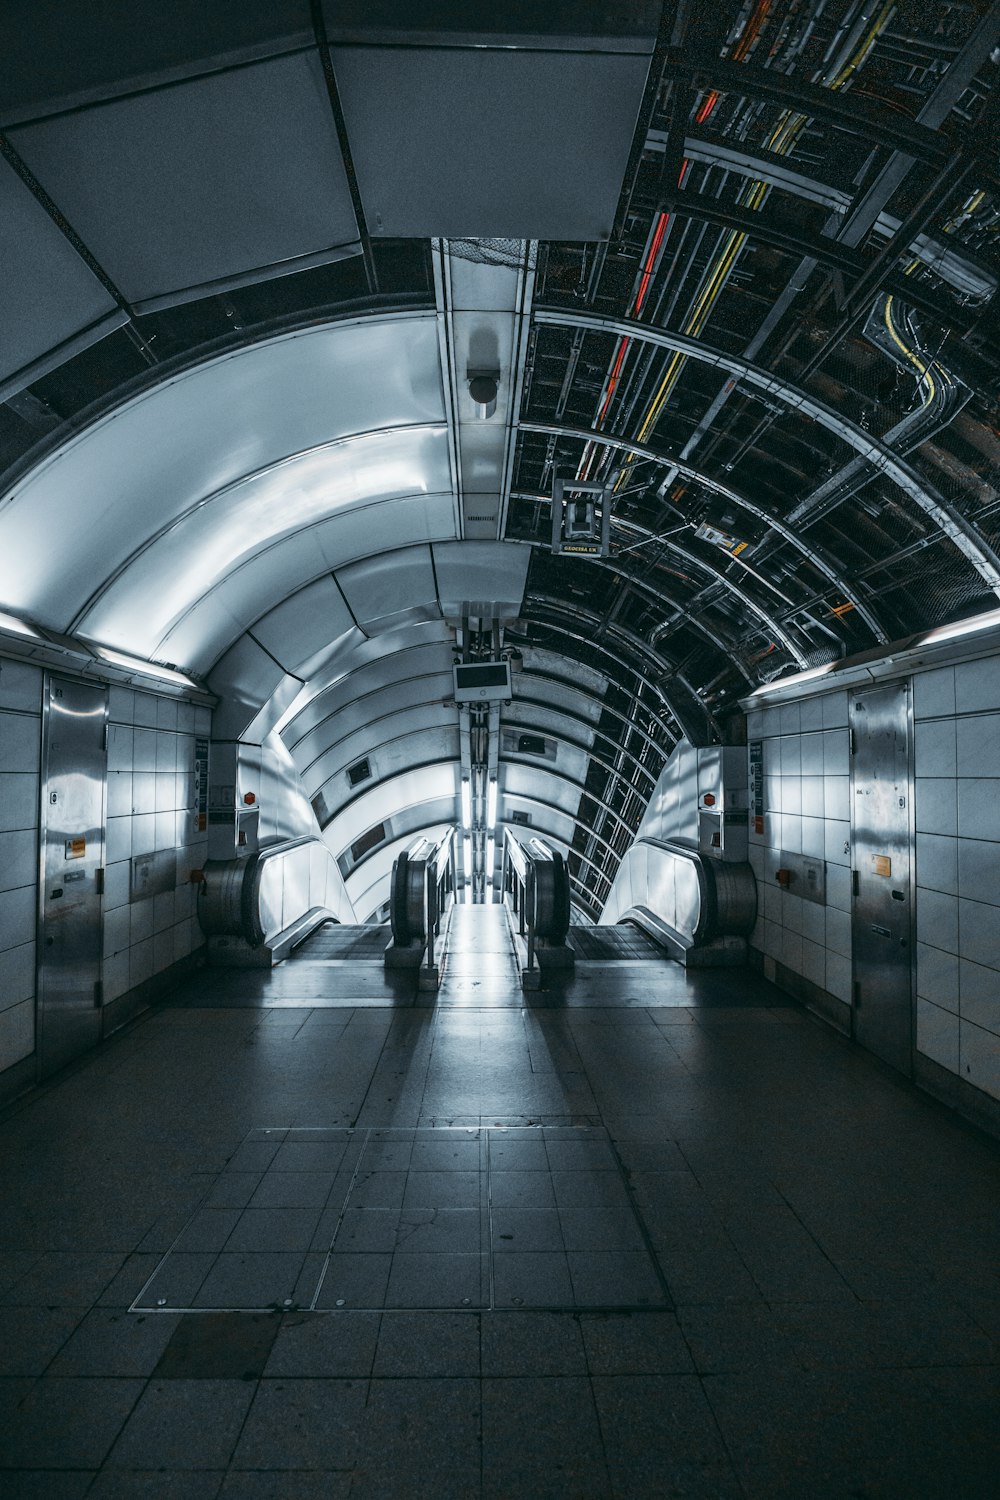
{"x":934,"y":748}
{"x":936,"y":800}
{"x":140,"y":921}
{"x":790,"y":755}
{"x":140,"y":962}
{"x":773,"y":900}
{"x":977,"y":685}
{"x":837,"y":797}
{"x":937,"y":976}
{"x":979,"y":994}
{"x":979,"y":871}
{"x":812,"y":752}
{"x":119,"y":844}
{"x":166,"y":751}
{"x":21,"y":739}
{"x":163,"y":911}
{"x":814,"y":963}
{"x":166,"y":791}
{"x":119,"y":794}
{"x":979,"y":807}
{"x":791,"y":832}
{"x":121,"y":704}
{"x":791,"y":912}
{"x":937,"y":920}
{"x":166,"y":830}
{"x":791,"y":950}
{"x":185,"y":718}
{"x":838,"y":976}
{"x":834,"y":710}
{"x":144,"y":834}
{"x":17,"y":1033}
{"x":17,"y":974}
{"x":120,"y":745}
{"x":18,"y":913}
{"x":937,"y":862}
{"x":978,"y":746}
{"x":20,"y":686}
{"x":18,"y":800}
{"x":789,"y":718}
{"x":771,"y":752}
{"x":980,"y":1058}
{"x":810,"y":714}
{"x":756,"y":860}
{"x":202,"y":720}
{"x":144,"y":749}
{"x":18,"y":859}
{"x":117,"y":930}
{"x":114,"y":973}
{"x":934,"y":693}
{"x":836,"y":752}
{"x":145,"y":710}
{"x":791,"y":794}
{"x":814,"y":838}
{"x":839,"y":891}
{"x":813,"y":924}
{"x":813,"y":797}
{"x":838,"y":842}
{"x":938,"y":1035}
{"x":143,"y":792}
{"x":163,"y":950}
{"x":979,"y":933}
{"x":166,"y":713}
{"x":838,"y":931}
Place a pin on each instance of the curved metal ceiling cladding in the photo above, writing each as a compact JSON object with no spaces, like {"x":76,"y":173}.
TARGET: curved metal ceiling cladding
{"x":207,"y":467}
{"x":763,"y":324}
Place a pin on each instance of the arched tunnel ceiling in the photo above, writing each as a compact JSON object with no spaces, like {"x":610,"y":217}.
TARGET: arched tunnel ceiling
{"x":751,"y":290}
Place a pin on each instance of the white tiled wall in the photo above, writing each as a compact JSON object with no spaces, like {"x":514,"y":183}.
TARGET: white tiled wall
{"x":957,"y":796}
{"x":151,"y":807}
{"x":20,"y":752}
{"x":806,"y":811}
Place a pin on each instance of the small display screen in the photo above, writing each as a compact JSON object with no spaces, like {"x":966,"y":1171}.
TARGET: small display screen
{"x":482,"y":675}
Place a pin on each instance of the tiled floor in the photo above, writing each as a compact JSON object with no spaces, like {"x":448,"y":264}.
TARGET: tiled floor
{"x":745,"y":1260}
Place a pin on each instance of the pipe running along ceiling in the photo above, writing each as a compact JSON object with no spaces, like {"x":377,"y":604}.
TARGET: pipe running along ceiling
{"x":735,"y":264}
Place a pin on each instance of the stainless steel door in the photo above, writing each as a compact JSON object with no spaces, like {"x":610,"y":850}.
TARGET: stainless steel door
{"x":74,"y":772}
{"x":881,"y":841}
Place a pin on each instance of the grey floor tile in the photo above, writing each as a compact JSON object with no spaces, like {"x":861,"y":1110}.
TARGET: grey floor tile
{"x":423,"y":1345}
{"x":600,"y":1229}
{"x":176,"y":1281}
{"x":333,"y":1344}
{"x":525,"y":1190}
{"x":535,"y":1343}
{"x":588,"y":1189}
{"x":309,"y":1156}
{"x":278,"y":1189}
{"x":64,"y":1278}
{"x":286,"y":1484}
{"x":438,"y":1279}
{"x":454,"y":1153}
{"x":218,"y":1346}
{"x":273,"y":1229}
{"x":113,"y":1342}
{"x":363,"y":1230}
{"x":442,"y":1190}
{"x":614,"y":1278}
{"x":355,"y":1280}
{"x":65,"y":1424}
{"x":378,"y":1190}
{"x":169,"y":1430}
{"x":208,"y":1230}
{"x":661,"y":1439}
{"x":541,"y":1437}
{"x":309,"y":1423}
{"x":517,"y":1155}
{"x":153,"y":1485}
{"x":457,"y":1230}
{"x":45,"y":1484}
{"x":250,"y":1280}
{"x":725,"y":1337}
{"x":532,"y":1279}
{"x":420,"y":1440}
{"x":32,"y":1336}
{"x":635,"y":1343}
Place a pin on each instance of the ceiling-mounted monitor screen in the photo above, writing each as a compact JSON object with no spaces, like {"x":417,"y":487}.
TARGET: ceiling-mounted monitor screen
{"x":482,"y":681}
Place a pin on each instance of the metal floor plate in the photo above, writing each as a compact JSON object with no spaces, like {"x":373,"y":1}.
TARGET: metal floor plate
{"x":465,"y":1218}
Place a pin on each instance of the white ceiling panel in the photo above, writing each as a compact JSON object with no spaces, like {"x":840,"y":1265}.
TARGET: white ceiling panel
{"x":491,"y":573}
{"x":384,"y":590}
{"x":337,"y":743}
{"x":120,"y":482}
{"x":48,"y":296}
{"x":425,"y":784}
{"x":304,"y":624}
{"x":202,"y":181}
{"x":202,"y":547}
{"x":358,"y":679}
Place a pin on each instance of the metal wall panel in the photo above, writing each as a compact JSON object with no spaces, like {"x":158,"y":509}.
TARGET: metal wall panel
{"x":382,"y":742}
{"x":360,"y":683}
{"x":384,"y":589}
{"x":881,"y":842}
{"x":304,"y":624}
{"x":74,"y":775}
{"x":486,"y":572}
{"x":115,"y":485}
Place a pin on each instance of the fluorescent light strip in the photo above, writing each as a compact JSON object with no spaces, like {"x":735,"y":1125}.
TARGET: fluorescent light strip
{"x":466,"y":805}
{"x":148,"y":668}
{"x":988,"y":621}
{"x":491,"y":806}
{"x":14,"y":626}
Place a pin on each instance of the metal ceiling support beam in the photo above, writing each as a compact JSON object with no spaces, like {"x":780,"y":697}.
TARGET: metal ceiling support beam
{"x":586,"y":434}
{"x":340,"y":125}
{"x":537,"y":727}
{"x":846,"y":111}
{"x":955,"y":526}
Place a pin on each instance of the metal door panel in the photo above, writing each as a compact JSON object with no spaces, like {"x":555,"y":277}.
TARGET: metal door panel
{"x":72,"y":867}
{"x":881,"y":804}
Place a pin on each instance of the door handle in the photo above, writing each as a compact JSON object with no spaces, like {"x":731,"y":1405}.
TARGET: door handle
{"x":899,"y":895}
